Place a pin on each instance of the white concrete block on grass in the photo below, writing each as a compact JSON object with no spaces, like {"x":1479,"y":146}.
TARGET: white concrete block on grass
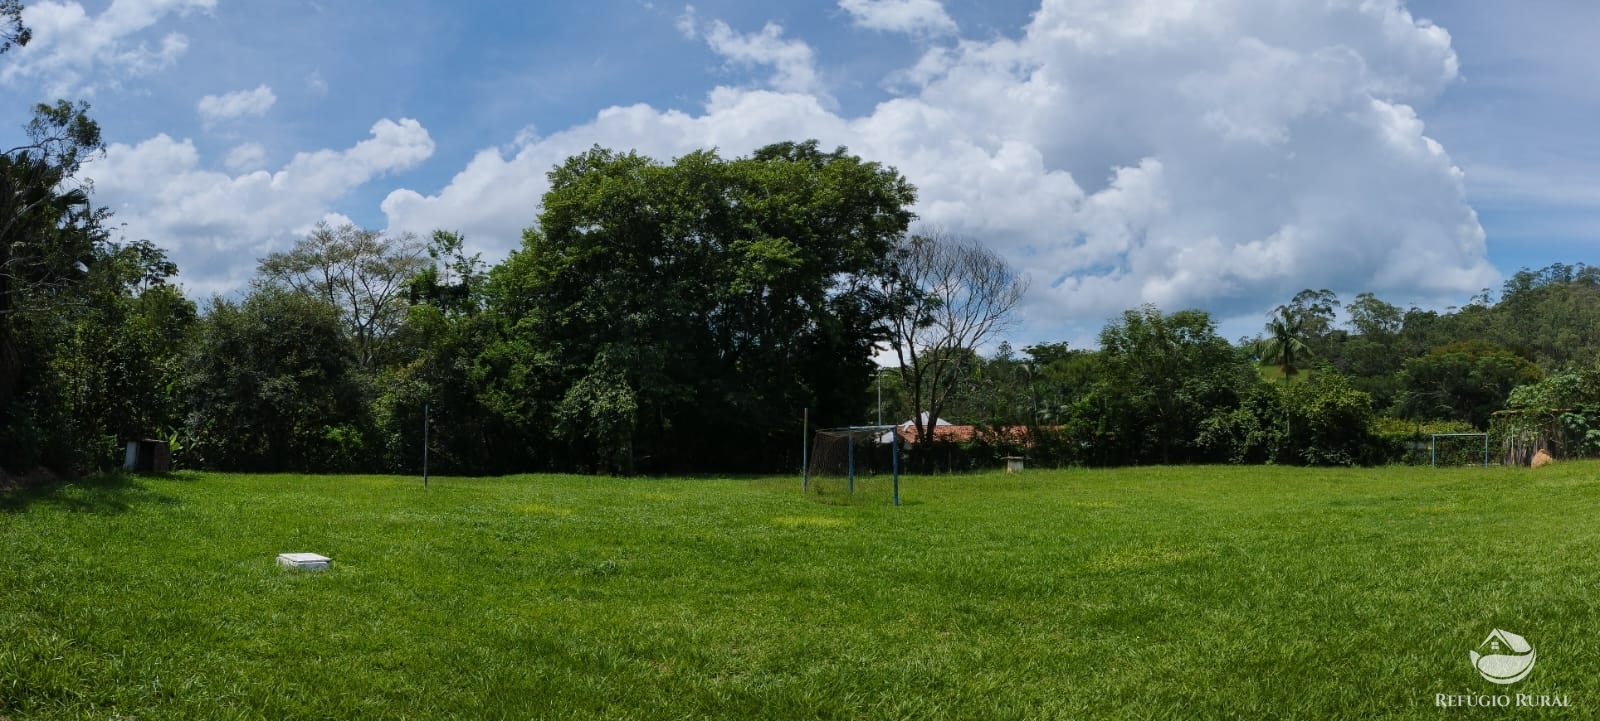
{"x":304,"y":561}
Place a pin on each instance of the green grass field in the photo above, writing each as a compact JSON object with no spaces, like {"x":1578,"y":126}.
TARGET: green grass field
{"x":1137,"y":593}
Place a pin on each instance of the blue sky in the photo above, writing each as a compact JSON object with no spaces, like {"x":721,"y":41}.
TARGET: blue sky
{"x":1220,"y":154}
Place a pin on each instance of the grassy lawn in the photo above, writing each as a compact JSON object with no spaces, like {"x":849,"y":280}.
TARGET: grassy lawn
{"x":1137,"y":593}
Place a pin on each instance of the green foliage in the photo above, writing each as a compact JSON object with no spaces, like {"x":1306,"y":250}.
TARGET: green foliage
{"x":1464,"y":381}
{"x":122,"y":353}
{"x":1398,"y":440}
{"x":1284,"y":343}
{"x":271,"y":384}
{"x":724,"y":296}
{"x":12,"y":31}
{"x":1322,"y":422}
{"x":1310,"y":315}
{"x":1558,"y":392}
{"x":1551,"y":316}
{"x":1162,"y":376}
{"x":362,"y":273}
{"x":1560,"y":413}
{"x":681,"y":316}
{"x":449,"y":349}
{"x":1374,"y":319}
{"x":601,"y":412}
{"x":51,"y":238}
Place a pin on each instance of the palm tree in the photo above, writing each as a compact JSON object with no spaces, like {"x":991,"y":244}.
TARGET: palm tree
{"x":1284,"y":344}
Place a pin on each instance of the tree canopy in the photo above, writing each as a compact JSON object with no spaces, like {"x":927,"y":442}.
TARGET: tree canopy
{"x":682,"y":315}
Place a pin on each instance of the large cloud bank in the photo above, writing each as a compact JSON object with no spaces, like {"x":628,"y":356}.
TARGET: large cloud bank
{"x":1220,"y":154}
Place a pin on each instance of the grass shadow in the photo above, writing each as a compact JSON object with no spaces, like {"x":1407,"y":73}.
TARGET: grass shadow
{"x":105,"y":493}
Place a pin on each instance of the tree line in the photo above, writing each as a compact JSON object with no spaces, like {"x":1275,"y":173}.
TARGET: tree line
{"x":1323,"y":383}
{"x":681,"y":317}
{"x":658,"y":317}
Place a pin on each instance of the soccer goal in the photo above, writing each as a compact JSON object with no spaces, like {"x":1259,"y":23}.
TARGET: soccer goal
{"x":1459,"y":449}
{"x":849,"y":453}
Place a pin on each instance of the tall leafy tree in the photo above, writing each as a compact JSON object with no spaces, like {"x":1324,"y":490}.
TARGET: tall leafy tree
{"x":271,"y":385}
{"x":1324,"y":421}
{"x":435,"y":379}
{"x":119,"y":355}
{"x":676,"y":316}
{"x":1465,"y":381}
{"x":1166,"y":374}
{"x":50,"y":234}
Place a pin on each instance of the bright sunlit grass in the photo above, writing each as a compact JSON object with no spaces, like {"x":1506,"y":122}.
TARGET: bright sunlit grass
{"x":1138,"y":593}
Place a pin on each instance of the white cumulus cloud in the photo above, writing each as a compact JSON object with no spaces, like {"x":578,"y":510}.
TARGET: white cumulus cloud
{"x":238,"y":104}
{"x":915,"y":17}
{"x":793,"y":62}
{"x":1221,"y":154}
{"x":73,"y":51}
{"x":215,"y":224}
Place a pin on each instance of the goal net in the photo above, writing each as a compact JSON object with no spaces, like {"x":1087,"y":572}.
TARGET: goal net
{"x":851,"y":460}
{"x":1447,"y":450}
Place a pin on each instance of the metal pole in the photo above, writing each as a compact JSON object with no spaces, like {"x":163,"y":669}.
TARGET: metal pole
{"x":805,"y":465}
{"x":880,"y":396}
{"x":1485,"y":450}
{"x":851,"y":437}
{"x":895,"y":462}
{"x":425,"y":445}
{"x":1433,"y":450}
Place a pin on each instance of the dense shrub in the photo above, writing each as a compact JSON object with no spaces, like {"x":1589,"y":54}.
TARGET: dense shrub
{"x":1321,"y":421}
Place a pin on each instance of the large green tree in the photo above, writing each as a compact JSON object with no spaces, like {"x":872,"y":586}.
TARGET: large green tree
{"x":436,"y":378}
{"x":1163,"y":374}
{"x":681,"y":316}
{"x":50,"y":235}
{"x":271,"y":385}
{"x":119,"y":356}
{"x":1371,"y":352}
{"x":1323,"y":421}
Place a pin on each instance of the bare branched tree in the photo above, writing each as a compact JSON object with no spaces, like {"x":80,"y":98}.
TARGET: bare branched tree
{"x":360,"y":272}
{"x":953,"y":293}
